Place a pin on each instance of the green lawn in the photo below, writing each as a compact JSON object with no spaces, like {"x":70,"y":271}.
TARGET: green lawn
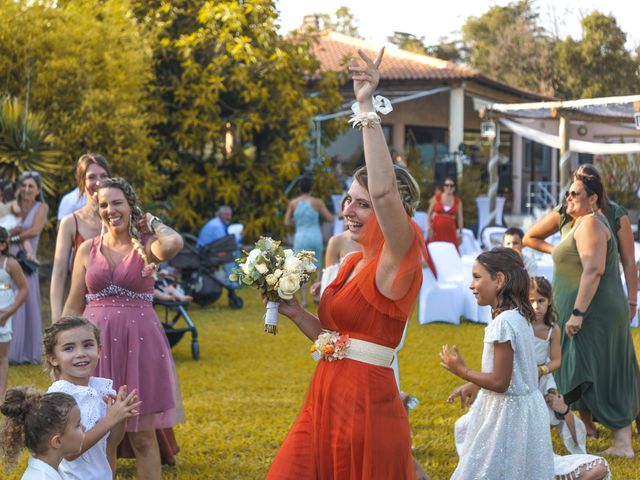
{"x":243,"y":394}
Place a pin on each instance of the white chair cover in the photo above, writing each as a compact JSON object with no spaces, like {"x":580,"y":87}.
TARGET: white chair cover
{"x":450,"y":270}
{"x":438,"y":301}
{"x":483,"y":211}
{"x":469,"y":244}
{"x":236,"y":230}
{"x":422,"y":219}
{"x":492,"y":237}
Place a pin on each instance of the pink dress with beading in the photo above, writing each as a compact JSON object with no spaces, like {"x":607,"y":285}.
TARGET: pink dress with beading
{"x":135,"y":351}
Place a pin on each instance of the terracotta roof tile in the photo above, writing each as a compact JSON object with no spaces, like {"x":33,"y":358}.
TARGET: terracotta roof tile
{"x":334,"y":51}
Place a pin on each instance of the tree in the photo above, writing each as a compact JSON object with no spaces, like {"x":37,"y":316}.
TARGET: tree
{"x":507,"y":44}
{"x":408,"y":41}
{"x":343,"y":21}
{"x":84,"y":67}
{"x":236,"y":102}
{"x":597,"y":65}
{"x":447,"y":49}
{"x":25,"y":145}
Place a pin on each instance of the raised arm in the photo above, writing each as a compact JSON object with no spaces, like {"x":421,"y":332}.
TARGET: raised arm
{"x":166,"y":242}
{"x":536,"y":235}
{"x":382,"y":187}
{"x":60,"y":267}
{"x":288,"y":216}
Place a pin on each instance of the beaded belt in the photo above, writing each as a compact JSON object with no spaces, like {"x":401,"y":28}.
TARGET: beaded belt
{"x":332,"y":346}
{"x":117,"y":291}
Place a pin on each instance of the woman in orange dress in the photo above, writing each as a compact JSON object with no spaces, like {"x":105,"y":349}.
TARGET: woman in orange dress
{"x":445,"y":217}
{"x":352,"y":424}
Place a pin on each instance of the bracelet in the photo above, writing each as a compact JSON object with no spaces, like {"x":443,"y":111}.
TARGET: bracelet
{"x":565,"y":413}
{"x":544,"y":369}
{"x":364,"y":119}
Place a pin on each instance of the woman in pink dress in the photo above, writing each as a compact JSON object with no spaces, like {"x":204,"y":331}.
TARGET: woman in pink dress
{"x":112,"y":285}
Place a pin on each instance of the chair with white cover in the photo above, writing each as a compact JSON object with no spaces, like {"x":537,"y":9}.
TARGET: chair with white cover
{"x":450,"y":270}
{"x":438,"y":301}
{"x":634,"y":322}
{"x":422,"y":219}
{"x":236,"y":229}
{"x":492,"y":237}
{"x":482,"y":203}
{"x":469,"y":244}
{"x":338,"y":222}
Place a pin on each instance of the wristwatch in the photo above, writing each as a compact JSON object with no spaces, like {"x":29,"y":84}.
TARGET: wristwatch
{"x":577,"y":313}
{"x":152,"y":222}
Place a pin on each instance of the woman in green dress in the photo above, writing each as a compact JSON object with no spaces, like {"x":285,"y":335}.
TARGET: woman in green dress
{"x":599,"y":373}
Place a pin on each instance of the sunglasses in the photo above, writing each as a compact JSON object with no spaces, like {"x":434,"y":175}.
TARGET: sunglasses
{"x":449,"y":185}
{"x":30,"y":173}
{"x":572,"y":194}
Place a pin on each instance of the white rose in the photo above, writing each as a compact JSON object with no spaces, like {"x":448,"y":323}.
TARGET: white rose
{"x":309,"y":266}
{"x":261,"y":268}
{"x":278,"y":273}
{"x":253,"y":255}
{"x":288,"y":253}
{"x":289,"y":284}
{"x":293,"y":264}
{"x":247,"y":268}
{"x":271,"y":279}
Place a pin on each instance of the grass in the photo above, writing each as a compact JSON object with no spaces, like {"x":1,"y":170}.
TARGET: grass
{"x":242,"y":396}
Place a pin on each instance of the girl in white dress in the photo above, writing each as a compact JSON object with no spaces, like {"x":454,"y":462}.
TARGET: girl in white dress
{"x":496,"y":438}
{"x":72,"y":348}
{"x":47,"y":424}
{"x":13,"y":293}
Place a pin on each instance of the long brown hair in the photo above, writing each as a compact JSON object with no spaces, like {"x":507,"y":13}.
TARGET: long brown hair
{"x":514,"y":294}
{"x":83,"y":163}
{"x":32,"y":417}
{"x":542,"y":286}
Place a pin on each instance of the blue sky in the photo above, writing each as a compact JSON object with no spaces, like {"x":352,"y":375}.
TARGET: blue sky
{"x":420,"y":18}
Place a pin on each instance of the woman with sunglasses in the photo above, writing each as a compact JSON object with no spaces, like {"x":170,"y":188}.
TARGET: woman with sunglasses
{"x":599,"y":374}
{"x":445,"y":216}
{"x":27,"y":321}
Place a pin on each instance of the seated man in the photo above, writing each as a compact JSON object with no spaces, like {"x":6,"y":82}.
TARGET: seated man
{"x":512,"y":239}
{"x":213,"y":230}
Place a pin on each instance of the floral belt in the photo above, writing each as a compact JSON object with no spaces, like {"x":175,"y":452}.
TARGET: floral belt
{"x":332,"y":346}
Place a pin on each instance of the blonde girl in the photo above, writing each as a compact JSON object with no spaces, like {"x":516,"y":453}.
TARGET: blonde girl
{"x":13,"y":293}
{"x":47,"y":424}
{"x":71,"y":348}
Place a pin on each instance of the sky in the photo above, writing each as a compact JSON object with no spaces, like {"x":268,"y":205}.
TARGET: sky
{"x":428,"y":19}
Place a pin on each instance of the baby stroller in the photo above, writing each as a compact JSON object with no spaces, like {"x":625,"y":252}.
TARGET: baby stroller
{"x":202,"y":269}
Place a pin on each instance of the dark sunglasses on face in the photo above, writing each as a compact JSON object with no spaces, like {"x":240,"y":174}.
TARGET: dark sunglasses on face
{"x":449,"y":185}
{"x":572,"y":194}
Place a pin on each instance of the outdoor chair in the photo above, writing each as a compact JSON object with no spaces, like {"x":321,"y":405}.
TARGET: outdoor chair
{"x":450,"y":270}
{"x":438,"y":301}
{"x":483,"y":212}
{"x":491,"y":237}
{"x":469,"y":244}
{"x":422,"y":219}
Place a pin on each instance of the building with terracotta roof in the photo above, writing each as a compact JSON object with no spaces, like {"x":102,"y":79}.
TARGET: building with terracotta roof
{"x":437,"y":111}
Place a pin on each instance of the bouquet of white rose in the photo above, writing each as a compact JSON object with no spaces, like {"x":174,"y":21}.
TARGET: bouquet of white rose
{"x":277,"y":272}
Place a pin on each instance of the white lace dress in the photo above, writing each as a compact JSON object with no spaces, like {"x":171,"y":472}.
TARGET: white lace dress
{"x":92,"y":464}
{"x":506,"y":435}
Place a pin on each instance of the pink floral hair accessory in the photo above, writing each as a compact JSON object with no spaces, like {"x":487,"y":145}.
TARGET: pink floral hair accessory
{"x":331,"y":346}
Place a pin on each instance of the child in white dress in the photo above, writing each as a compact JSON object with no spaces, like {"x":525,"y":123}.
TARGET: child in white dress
{"x":11,"y":280}
{"x":47,"y":424}
{"x":495,"y":438}
{"x":10,"y":218}
{"x":71,"y":348}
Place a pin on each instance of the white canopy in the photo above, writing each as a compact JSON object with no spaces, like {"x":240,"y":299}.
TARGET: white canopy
{"x":580,"y":146}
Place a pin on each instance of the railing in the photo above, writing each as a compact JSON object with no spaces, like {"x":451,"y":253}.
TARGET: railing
{"x":540,"y":195}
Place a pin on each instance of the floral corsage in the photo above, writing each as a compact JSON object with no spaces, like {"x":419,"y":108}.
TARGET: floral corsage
{"x":150,"y":269}
{"x":330,"y":346}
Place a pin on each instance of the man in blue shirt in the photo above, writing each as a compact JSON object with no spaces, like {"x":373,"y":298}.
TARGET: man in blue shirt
{"x":213,"y":230}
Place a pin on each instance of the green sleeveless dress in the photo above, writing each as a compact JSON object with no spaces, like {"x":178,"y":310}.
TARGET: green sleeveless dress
{"x":599,"y":371}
